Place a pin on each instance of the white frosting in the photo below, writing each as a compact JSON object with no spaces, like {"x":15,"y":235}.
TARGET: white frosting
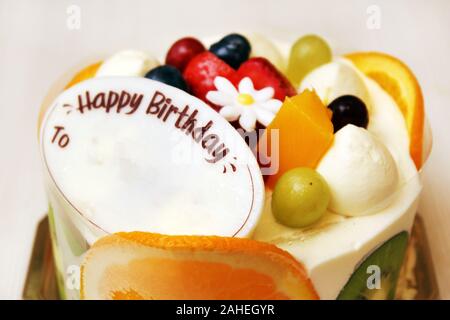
{"x":360,"y":172}
{"x":335,"y":79}
{"x":131,"y":63}
{"x":264,"y":47}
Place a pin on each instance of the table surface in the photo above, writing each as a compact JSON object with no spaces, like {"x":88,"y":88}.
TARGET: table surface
{"x":37,"y":46}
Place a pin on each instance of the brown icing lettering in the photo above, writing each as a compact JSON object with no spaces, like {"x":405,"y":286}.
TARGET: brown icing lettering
{"x":162,"y":107}
{"x":124,"y":102}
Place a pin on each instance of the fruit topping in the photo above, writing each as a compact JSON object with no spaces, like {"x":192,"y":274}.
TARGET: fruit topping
{"x":264,"y":74}
{"x":201,"y":72}
{"x":300,"y":198}
{"x":245,"y":105}
{"x":398,"y":80}
{"x":168,"y":75}
{"x":84,"y":74}
{"x":388,"y":258}
{"x":182,"y":51}
{"x":348,"y":109}
{"x":360,"y":172}
{"x":263,"y":47}
{"x":127,"y":63}
{"x":139,"y":265}
{"x":307,"y":53}
{"x":305,"y":133}
{"x":234,"y":49}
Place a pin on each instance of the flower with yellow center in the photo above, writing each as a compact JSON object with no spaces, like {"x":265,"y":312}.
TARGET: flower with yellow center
{"x":245,"y":99}
{"x":245,"y":104}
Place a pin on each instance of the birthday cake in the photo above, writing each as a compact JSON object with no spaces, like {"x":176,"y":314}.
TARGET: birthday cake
{"x":240,"y":168}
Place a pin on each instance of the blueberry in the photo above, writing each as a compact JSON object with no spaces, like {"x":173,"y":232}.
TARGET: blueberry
{"x":348,"y":109}
{"x":168,"y":75}
{"x":233,"y":49}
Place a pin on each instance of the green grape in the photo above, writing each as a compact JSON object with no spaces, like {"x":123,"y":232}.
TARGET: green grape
{"x":307,"y":53}
{"x":300,"y":197}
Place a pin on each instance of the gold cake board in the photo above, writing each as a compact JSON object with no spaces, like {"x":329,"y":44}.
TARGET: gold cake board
{"x":417,"y":280}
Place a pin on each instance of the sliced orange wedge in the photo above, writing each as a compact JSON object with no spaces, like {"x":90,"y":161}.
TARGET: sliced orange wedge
{"x":139,"y":265}
{"x":398,"y":80}
{"x":84,"y":74}
{"x":305,"y":133}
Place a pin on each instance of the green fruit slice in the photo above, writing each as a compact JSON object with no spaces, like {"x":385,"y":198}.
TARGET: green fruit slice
{"x":388,"y":258}
{"x":74,"y":238}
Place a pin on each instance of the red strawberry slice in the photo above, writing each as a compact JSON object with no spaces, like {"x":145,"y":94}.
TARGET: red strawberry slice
{"x":265,"y":74}
{"x":201,"y":72}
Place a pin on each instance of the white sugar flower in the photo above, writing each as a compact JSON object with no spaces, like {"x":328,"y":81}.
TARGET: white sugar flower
{"x":247,"y":104}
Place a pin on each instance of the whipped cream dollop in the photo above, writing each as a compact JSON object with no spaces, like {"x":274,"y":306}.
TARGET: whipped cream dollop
{"x":127,"y":63}
{"x":335,"y":79}
{"x":359,"y":169}
{"x":264,"y":47}
{"x":360,"y":172}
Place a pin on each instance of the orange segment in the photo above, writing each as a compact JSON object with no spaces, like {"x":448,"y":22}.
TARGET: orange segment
{"x":397,"y":80}
{"x":86,"y":73}
{"x":140,"y":265}
{"x":305,"y":134}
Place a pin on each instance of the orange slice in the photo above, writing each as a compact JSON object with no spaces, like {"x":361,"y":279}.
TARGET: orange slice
{"x":84,"y":74}
{"x":305,"y":132}
{"x":140,"y":265}
{"x":397,"y":80}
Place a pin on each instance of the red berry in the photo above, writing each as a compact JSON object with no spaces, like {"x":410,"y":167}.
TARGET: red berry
{"x":265,"y":74}
{"x":182,"y":51}
{"x":201,"y":72}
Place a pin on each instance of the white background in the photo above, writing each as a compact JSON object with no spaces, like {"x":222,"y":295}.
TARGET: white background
{"x":36,"y":47}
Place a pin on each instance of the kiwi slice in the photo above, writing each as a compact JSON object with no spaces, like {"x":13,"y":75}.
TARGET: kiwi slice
{"x":388,"y":258}
{"x":77,"y":243}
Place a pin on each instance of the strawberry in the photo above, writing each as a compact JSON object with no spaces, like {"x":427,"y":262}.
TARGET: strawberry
{"x":265,"y":74}
{"x":201,"y":72}
{"x":182,"y":51}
